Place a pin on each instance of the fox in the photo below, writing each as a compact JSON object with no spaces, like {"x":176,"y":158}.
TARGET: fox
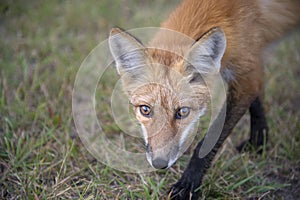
{"x":168,"y":92}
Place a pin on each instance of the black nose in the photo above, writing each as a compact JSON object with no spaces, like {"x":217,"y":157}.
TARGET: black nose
{"x":160,"y":163}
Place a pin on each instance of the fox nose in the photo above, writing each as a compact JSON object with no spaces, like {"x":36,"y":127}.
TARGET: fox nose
{"x":160,"y":163}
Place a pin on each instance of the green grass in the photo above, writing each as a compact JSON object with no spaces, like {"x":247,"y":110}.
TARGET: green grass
{"x":42,"y":45}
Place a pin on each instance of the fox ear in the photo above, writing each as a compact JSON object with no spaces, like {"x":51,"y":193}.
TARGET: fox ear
{"x":126,"y":50}
{"x":206,"y":54}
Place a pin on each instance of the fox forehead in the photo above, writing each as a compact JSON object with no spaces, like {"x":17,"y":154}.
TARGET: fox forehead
{"x":167,"y":58}
{"x":169,"y":92}
{"x":154,"y":94}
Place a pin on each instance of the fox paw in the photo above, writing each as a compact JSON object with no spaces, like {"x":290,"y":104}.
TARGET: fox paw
{"x":258,"y":138}
{"x":245,"y":146}
{"x":184,"y":189}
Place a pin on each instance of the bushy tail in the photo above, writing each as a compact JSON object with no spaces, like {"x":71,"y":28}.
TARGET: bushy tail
{"x":279,"y":17}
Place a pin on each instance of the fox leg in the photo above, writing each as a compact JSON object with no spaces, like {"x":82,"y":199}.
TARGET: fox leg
{"x":258,"y":127}
{"x":191,"y":179}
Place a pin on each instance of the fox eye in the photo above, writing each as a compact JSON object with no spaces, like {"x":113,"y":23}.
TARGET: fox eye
{"x":145,"y":111}
{"x":182,"y":113}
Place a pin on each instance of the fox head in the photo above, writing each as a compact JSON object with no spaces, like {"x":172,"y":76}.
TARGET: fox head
{"x":168,"y":91}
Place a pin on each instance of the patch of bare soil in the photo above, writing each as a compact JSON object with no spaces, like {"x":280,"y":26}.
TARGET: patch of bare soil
{"x":292,"y":179}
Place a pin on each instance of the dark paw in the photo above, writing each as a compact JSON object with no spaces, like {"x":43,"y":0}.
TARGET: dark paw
{"x":257,"y":141}
{"x":245,"y":146}
{"x":258,"y":128}
{"x":184,"y":189}
{"x":259,"y":135}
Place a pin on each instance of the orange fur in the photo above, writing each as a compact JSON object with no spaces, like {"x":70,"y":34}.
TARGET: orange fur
{"x":248,"y":25}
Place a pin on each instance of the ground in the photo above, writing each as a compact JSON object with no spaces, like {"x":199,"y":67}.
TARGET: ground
{"x":42,"y":46}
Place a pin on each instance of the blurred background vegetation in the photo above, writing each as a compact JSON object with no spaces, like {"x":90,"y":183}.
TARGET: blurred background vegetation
{"x":42,"y":44}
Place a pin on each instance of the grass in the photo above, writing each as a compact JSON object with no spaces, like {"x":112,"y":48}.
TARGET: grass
{"x":41,"y":156}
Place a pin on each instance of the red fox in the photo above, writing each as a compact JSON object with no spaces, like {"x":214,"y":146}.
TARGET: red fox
{"x":230,"y":37}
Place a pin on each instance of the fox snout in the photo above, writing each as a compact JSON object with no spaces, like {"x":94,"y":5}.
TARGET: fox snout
{"x":162,"y":158}
{"x":160,"y":163}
